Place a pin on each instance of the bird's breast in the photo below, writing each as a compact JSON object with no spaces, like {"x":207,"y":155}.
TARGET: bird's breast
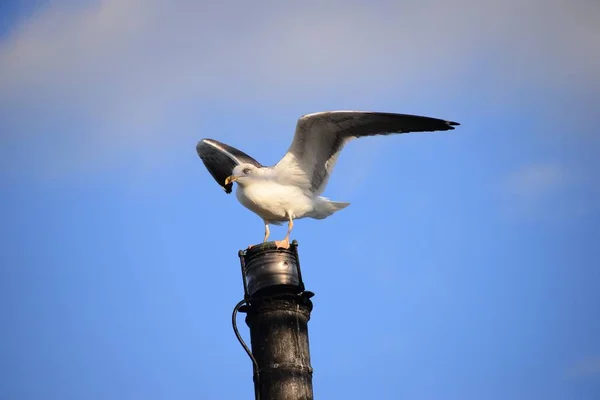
{"x":272,"y":201}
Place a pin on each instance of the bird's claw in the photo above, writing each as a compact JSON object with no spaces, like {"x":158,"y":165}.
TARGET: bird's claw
{"x":283,"y":244}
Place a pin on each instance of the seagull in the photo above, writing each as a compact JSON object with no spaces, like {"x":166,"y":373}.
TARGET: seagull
{"x":292,"y":188}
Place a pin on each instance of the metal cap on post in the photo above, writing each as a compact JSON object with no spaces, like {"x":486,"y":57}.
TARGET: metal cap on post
{"x":278,"y":310}
{"x":268,"y":270}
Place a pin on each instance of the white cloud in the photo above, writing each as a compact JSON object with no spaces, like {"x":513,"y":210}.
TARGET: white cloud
{"x":115,"y":72}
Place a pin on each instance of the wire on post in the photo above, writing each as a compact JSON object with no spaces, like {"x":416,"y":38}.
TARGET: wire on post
{"x":245,"y":346}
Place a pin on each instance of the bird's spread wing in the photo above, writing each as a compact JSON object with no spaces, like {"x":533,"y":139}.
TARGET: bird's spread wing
{"x":320,"y":137}
{"x":220,"y":160}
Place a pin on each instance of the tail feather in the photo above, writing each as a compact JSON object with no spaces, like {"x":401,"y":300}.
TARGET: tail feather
{"x":325,"y":207}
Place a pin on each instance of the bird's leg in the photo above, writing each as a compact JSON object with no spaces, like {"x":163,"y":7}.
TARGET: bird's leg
{"x":285,"y":243}
{"x":267,"y":232}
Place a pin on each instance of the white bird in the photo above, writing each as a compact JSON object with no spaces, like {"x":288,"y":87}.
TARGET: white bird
{"x":292,"y":188}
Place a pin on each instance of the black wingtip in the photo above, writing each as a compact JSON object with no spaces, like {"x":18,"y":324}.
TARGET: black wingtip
{"x":452,"y":123}
{"x":199,"y":146}
{"x":201,"y":143}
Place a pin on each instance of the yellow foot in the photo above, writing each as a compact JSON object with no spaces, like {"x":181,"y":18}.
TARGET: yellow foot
{"x":283,"y":244}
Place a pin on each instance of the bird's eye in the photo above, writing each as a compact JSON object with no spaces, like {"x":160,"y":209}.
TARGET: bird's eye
{"x":246,"y":171}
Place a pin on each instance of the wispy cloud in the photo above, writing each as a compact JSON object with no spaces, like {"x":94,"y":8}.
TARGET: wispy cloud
{"x":544,"y":190}
{"x":531,"y":184}
{"x":585,"y":368}
{"x":140,"y":48}
{"x":105,"y":76}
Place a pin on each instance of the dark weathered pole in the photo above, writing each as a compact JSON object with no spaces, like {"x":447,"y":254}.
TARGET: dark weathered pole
{"x":278,"y":309}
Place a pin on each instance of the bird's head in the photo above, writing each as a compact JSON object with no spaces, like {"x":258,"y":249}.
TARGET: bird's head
{"x":242,"y":174}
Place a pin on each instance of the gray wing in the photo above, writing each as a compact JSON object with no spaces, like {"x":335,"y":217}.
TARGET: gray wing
{"x":220,"y":160}
{"x":320,"y":137}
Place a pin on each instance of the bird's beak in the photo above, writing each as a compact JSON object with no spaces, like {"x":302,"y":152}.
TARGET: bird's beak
{"x":231,"y":179}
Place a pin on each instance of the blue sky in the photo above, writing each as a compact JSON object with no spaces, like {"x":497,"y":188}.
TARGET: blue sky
{"x":465,"y":268}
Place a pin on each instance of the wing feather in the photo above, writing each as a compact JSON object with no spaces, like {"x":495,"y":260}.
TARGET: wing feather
{"x":220,"y":160}
{"x":320,"y":137}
